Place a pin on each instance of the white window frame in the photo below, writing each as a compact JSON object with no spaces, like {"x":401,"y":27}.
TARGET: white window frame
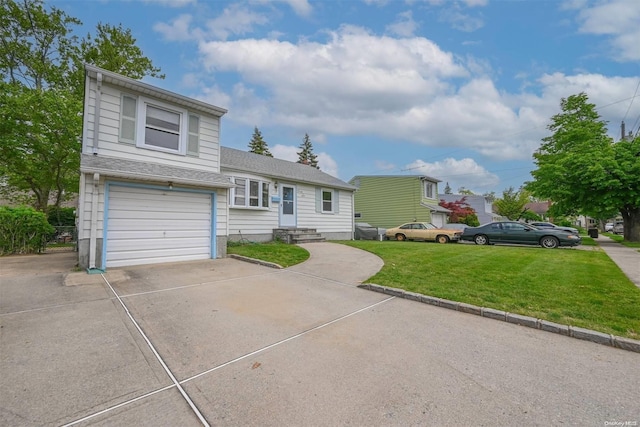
{"x":261,"y":198}
{"x":183,"y":131}
{"x":322,"y":200}
{"x":429,"y":187}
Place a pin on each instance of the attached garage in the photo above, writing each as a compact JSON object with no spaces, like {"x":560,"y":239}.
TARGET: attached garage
{"x":146,"y":225}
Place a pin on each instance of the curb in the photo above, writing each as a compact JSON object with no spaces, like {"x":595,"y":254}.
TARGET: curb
{"x":518,"y":319}
{"x":256,"y":261}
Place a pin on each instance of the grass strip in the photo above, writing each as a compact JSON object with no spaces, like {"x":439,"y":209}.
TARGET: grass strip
{"x":569,"y":286}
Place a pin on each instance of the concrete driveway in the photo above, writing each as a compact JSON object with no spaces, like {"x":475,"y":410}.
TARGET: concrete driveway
{"x":224,"y":342}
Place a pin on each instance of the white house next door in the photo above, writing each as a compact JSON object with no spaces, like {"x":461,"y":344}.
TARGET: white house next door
{"x":288,"y":206}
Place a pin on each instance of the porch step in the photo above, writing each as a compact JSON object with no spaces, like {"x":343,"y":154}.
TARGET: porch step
{"x":297,"y":235}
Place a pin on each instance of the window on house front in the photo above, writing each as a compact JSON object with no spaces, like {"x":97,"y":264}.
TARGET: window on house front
{"x":248,"y":193}
{"x":327,"y":201}
{"x":429,"y":188}
{"x":158,"y":126}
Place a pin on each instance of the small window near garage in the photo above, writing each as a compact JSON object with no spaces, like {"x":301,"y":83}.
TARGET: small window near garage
{"x":249,"y":193}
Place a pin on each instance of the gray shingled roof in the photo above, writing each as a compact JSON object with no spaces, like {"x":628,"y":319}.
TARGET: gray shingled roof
{"x":130,"y":169}
{"x":244,"y":161}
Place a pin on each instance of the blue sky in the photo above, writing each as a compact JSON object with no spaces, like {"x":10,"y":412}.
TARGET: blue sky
{"x":461,"y":90}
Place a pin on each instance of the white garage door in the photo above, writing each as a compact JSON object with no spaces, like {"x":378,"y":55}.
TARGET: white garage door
{"x":146,"y":226}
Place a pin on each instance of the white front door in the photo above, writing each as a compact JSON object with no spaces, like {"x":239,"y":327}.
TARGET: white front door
{"x":287,"y":206}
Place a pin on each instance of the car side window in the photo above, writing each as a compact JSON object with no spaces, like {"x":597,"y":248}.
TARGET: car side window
{"x":495,"y":226}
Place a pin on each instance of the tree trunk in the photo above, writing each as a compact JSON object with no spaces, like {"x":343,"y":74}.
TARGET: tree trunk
{"x":631,"y":217}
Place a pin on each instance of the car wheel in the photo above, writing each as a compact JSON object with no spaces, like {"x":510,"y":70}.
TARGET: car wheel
{"x":549,"y":242}
{"x":481,"y":239}
{"x":442,"y":239}
{"x":401,"y":237}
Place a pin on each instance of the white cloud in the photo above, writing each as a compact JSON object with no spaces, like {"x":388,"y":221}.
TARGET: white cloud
{"x":234,"y":20}
{"x":176,"y":30}
{"x":461,"y":21}
{"x":404,"y":25}
{"x":347,"y":85}
{"x":458,"y":173}
{"x":288,"y":152}
{"x":300,"y":7}
{"x":619,"y":19}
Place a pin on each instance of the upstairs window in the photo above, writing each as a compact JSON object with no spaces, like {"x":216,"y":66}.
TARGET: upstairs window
{"x":158,"y":126}
{"x":429,"y":189}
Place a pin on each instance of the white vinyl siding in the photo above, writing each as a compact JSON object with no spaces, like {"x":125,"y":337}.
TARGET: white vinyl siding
{"x":146,"y":226}
{"x":111,"y":145}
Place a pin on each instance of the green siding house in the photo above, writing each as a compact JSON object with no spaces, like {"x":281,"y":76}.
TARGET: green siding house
{"x":387,"y":200}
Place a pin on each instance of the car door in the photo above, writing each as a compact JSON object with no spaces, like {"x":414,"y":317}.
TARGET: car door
{"x":514,"y":232}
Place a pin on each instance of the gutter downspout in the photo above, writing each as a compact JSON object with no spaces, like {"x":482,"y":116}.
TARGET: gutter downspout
{"x":96,"y":114}
{"x":94,"y":226}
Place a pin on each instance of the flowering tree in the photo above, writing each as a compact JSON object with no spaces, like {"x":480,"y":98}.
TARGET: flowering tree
{"x":461,"y":212}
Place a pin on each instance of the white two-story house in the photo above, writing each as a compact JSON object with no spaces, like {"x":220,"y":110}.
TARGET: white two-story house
{"x":150,"y":186}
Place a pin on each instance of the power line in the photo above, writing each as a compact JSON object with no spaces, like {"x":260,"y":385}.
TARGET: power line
{"x":631,"y":102}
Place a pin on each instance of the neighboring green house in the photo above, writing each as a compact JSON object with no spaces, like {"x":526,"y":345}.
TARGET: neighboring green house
{"x":389,"y":200}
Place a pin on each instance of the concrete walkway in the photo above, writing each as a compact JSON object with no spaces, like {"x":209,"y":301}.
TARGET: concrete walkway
{"x":628,"y":259}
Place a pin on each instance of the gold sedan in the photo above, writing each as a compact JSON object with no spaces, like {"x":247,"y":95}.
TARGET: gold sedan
{"x":423,"y":231}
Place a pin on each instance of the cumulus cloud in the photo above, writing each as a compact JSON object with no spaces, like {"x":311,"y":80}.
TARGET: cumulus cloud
{"x":234,"y":20}
{"x":289,"y":152}
{"x":347,"y":85}
{"x":619,"y":19}
{"x":404,"y":25}
{"x":176,"y":30}
{"x":458,"y":173}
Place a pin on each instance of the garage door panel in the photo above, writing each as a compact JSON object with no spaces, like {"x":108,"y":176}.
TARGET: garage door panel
{"x":179,"y":244}
{"x":150,"y":226}
{"x":156,"y":234}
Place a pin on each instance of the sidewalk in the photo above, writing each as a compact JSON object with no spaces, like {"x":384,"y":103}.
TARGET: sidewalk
{"x":628,"y":259}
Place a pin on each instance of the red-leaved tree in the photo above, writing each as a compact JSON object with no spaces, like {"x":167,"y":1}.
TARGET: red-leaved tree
{"x":461,"y":212}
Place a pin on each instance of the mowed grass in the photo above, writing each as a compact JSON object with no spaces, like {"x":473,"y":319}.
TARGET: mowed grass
{"x":276,"y":252}
{"x":569,"y":286}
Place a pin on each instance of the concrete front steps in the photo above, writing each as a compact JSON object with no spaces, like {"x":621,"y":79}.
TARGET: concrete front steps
{"x":297,"y":235}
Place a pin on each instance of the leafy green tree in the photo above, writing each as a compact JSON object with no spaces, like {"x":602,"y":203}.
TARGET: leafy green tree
{"x":305,"y":155}
{"x":584,"y":171}
{"x":465,"y":191}
{"x":447,"y":189}
{"x":41,"y":93}
{"x":490,"y":196}
{"x":512,"y":204}
{"x":258,"y":145}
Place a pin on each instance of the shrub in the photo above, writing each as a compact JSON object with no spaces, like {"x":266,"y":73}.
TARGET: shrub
{"x":23,"y":230}
{"x":61,"y":217}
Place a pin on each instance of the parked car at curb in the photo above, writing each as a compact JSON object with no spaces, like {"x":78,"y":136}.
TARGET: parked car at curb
{"x":423,"y":231}
{"x":365,"y":231}
{"x":618,"y":228}
{"x":608,"y":226}
{"x":549,"y":225}
{"x":519,"y":233}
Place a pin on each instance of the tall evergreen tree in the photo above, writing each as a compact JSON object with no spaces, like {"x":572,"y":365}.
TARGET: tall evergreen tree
{"x":258,"y":145}
{"x":305,"y":155}
{"x":447,"y":189}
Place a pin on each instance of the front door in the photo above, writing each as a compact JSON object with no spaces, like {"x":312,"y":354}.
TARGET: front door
{"x":288,"y":206}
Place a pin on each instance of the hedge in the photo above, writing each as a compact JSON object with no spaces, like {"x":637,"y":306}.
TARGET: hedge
{"x":23,"y":230}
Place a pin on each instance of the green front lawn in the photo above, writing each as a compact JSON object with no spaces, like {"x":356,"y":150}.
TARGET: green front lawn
{"x":276,"y":252}
{"x":567,"y":286}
